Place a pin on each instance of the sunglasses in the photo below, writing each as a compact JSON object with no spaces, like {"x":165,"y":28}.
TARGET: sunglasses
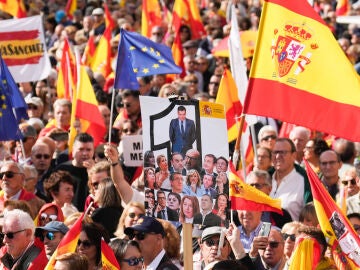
{"x":45,"y":216}
{"x":85,"y":243}
{"x":214,"y":83}
{"x":352,"y":182}
{"x":32,"y":107}
{"x":138,"y":236}
{"x":286,"y":236}
{"x":40,"y":156}
{"x":128,"y":130}
{"x":10,"y":235}
{"x":258,"y":186}
{"x":50,"y":235}
{"x":211,"y":242}
{"x":133,"y":215}
{"x":8,"y":174}
{"x":273,"y":244}
{"x":272,"y":137}
{"x":133,"y":261}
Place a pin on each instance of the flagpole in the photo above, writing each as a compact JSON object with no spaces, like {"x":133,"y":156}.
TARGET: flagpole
{"x":111,"y":113}
{"x":236,"y":155}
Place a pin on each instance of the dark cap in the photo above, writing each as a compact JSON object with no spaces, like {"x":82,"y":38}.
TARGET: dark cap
{"x":54,"y":226}
{"x":190,"y":44}
{"x":147,"y":225}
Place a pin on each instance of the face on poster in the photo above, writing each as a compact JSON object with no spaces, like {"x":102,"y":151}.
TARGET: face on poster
{"x":183,"y":142}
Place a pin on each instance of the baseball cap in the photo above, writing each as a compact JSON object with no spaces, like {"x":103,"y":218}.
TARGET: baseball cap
{"x":210,"y":231}
{"x":34,"y":100}
{"x":98,"y":11}
{"x":147,"y":225}
{"x":59,"y":15}
{"x":55,"y":226}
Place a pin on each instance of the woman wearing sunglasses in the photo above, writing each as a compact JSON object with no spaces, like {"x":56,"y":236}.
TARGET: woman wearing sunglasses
{"x":289,"y":232}
{"x":127,"y":253}
{"x":89,"y":243}
{"x":129,"y":217}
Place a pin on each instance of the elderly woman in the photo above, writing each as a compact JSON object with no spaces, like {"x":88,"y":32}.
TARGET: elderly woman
{"x":289,"y":232}
{"x":127,"y":253}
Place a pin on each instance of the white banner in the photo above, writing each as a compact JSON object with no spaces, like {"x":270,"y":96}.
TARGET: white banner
{"x":23,"y":48}
{"x":133,"y":150}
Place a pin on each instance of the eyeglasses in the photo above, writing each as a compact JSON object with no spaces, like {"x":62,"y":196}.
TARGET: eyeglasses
{"x":138,"y":236}
{"x":280,"y":152}
{"x":10,"y":235}
{"x":133,"y":261}
{"x":331,"y":163}
{"x":45,"y":216}
{"x":126,"y":130}
{"x":258,"y":186}
{"x":8,"y":174}
{"x":269,"y":137}
{"x":286,"y":236}
{"x":157,"y":34}
{"x":133,"y":215}
{"x":85,"y":243}
{"x":346,"y":182}
{"x":32,"y":107}
{"x":161,"y":198}
{"x":191,"y":158}
{"x":95,"y":185}
{"x":126,"y":105}
{"x":273,"y":244}
{"x":40,"y":156}
{"x":50,"y":235}
{"x":149,"y":197}
{"x":211,"y":242}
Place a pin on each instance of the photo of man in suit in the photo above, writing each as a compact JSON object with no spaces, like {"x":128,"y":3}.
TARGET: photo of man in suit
{"x":162,"y":211}
{"x":181,"y":132}
{"x":207,"y":218}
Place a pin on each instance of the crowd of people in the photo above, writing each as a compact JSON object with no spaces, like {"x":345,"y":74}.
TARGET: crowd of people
{"x":141,"y":211}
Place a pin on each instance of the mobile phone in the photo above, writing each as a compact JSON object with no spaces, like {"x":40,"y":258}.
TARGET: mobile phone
{"x":265,"y":229}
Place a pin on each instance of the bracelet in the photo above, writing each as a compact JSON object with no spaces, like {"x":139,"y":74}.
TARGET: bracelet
{"x":114,"y":164}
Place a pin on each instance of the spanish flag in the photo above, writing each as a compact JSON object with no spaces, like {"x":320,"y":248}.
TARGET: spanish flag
{"x":300,"y":74}
{"x":15,"y":8}
{"x":306,"y":255}
{"x":66,"y":82}
{"x":341,"y":237}
{"x":89,"y":51}
{"x":246,"y":197}
{"x":150,"y":16}
{"x":108,"y":258}
{"x":187,"y":12}
{"x":71,"y":6}
{"x":67,"y":244}
{"x":342,"y":7}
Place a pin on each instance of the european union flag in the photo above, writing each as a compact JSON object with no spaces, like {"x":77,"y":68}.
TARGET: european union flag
{"x":138,"y":56}
{"x":12,"y":106}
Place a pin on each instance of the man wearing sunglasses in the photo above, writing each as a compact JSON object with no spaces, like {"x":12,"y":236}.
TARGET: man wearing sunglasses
{"x":352,"y":183}
{"x":149,"y":233}
{"x":23,"y":251}
{"x":52,"y":233}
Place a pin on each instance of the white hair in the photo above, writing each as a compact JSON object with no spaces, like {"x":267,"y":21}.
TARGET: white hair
{"x":20,"y":217}
{"x":267,"y":128}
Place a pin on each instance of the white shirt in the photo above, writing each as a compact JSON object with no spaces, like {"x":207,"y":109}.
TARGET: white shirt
{"x":155,"y":262}
{"x":291,"y":193}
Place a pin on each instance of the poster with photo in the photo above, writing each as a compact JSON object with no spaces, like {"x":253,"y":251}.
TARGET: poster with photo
{"x":185,"y":153}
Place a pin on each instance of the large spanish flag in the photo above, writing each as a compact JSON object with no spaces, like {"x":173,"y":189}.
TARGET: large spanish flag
{"x":341,"y":237}
{"x":300,"y":74}
{"x":246,"y":197}
{"x":150,"y":16}
{"x":108,"y":259}
{"x":67,"y":244}
{"x":15,"y":8}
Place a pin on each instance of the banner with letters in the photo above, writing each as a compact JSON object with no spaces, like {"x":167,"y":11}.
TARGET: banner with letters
{"x":185,"y":154}
{"x":22,"y":46}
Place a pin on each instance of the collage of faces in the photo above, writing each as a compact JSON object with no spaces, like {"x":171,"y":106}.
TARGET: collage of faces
{"x":186,"y":189}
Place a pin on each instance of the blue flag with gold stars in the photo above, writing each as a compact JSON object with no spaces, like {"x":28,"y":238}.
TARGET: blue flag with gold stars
{"x":12,"y":105}
{"x":138,"y":56}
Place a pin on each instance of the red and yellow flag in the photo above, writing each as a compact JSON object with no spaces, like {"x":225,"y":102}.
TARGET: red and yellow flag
{"x":108,"y":258}
{"x":67,"y":244}
{"x":102,"y":56}
{"x":306,"y":255}
{"x":300,"y":70}
{"x":341,"y":237}
{"x":66,"y":82}
{"x":178,"y":55}
{"x":342,"y":7}
{"x":246,"y":197}
{"x":71,"y":6}
{"x":15,"y":8}
{"x":150,"y":16}
{"x":89,"y":51}
{"x":187,"y":12}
